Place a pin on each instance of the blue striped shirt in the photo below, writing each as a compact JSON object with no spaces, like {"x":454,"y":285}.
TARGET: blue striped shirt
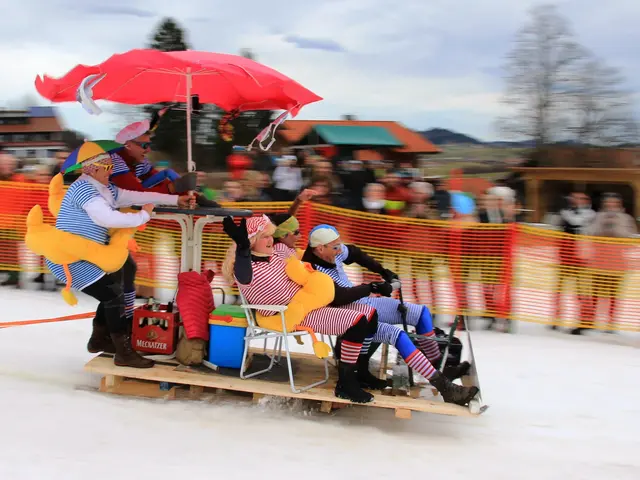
{"x":387,"y":308}
{"x":119,"y":165}
{"x":72,"y":218}
{"x":143,"y":168}
{"x":338,"y":274}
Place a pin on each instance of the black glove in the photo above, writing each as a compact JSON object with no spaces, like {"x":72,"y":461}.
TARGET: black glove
{"x":237,"y":233}
{"x":389,"y":276}
{"x":381,"y":288}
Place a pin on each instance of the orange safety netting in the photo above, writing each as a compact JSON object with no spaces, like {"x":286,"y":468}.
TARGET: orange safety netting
{"x":510,"y":271}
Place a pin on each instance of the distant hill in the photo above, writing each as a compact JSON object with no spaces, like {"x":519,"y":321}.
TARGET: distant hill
{"x":523,"y":144}
{"x":442,"y":136}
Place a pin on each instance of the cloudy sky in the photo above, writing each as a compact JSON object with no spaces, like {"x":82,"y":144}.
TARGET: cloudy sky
{"x":433,"y":63}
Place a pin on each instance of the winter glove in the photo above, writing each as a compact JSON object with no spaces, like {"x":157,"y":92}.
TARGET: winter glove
{"x":237,"y":233}
{"x":381,"y":288}
{"x":389,"y":276}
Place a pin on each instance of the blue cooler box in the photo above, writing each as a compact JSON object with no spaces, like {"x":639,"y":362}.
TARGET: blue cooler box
{"x":227,"y":328}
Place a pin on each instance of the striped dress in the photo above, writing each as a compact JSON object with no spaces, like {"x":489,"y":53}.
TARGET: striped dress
{"x":387,"y":307}
{"x":72,"y":218}
{"x":270,"y":285}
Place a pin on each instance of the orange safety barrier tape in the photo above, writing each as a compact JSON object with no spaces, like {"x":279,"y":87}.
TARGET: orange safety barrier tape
{"x":512,"y":271}
{"x":79,"y":316}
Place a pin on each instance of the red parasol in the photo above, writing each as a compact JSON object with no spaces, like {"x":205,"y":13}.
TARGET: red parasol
{"x":139,"y":77}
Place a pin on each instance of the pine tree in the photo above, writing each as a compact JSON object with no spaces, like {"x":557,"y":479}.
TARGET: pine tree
{"x":171,"y":135}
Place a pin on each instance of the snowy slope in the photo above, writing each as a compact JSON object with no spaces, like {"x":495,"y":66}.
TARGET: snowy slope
{"x":561,"y":408}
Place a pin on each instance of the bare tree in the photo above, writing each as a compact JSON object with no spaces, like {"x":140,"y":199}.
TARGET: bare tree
{"x":538,"y":77}
{"x":601,"y":108}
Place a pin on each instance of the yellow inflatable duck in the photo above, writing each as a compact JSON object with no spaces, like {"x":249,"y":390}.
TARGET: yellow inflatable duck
{"x":64,"y":248}
{"x":317,"y":291}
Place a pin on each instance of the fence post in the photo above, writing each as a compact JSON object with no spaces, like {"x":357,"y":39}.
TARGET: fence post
{"x":305,"y":221}
{"x":507,"y":276}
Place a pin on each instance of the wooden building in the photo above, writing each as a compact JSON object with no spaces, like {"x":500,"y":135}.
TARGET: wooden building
{"x":358,"y":139}
{"x":593,"y":171}
{"x":35,"y":133}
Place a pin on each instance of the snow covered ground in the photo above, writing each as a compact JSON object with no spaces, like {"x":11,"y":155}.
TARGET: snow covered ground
{"x":561,"y":408}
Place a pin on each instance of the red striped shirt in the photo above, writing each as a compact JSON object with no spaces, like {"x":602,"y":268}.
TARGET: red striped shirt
{"x":282,"y":251}
{"x":269,"y":285}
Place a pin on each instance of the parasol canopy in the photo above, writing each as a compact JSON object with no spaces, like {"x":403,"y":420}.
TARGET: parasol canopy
{"x":145,"y":76}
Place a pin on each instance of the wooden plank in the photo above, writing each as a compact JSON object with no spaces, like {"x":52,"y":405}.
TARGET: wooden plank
{"x":195,"y":392}
{"x":326,"y":407}
{"x":403,"y":413}
{"x":257,"y":397}
{"x":309,"y":369}
{"x":134,"y":388}
{"x":384,"y":361}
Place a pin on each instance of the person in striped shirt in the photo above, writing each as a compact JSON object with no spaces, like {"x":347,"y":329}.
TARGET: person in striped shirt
{"x":262,"y":279}
{"x":328,"y":254}
{"x":133,"y":171}
{"x":89,"y":209}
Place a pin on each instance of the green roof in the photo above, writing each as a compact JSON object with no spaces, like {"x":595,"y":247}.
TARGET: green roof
{"x":357,"y":135}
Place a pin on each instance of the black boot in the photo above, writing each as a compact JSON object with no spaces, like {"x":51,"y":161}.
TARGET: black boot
{"x":366,"y":378}
{"x":453,"y":372}
{"x":348,"y":387}
{"x":12,"y":281}
{"x":100,"y":340}
{"x":452,"y":393}
{"x":126,"y":356}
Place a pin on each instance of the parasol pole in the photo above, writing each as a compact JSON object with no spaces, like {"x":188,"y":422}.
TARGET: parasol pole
{"x":191,"y":167}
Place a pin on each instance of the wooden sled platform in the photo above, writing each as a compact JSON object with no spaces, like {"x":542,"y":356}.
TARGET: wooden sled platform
{"x":169,"y":379}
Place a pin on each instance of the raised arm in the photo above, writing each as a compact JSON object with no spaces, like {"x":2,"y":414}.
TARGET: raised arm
{"x":242,"y":269}
{"x":306,"y":195}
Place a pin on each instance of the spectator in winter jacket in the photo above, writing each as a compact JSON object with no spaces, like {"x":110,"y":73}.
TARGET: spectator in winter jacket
{"x":420,"y":193}
{"x":373,"y":200}
{"x":287,"y":179}
{"x":396,"y":195}
{"x":574,"y":219}
{"x":578,"y":214}
{"x":608,"y":259}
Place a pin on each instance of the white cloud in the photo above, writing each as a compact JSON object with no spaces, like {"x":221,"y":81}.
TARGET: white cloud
{"x":424,"y":62}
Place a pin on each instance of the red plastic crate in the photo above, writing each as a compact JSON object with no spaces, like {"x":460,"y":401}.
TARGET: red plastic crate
{"x":155,"y":338}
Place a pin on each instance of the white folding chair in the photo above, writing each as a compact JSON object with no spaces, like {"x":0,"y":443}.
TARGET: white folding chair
{"x":255,"y":332}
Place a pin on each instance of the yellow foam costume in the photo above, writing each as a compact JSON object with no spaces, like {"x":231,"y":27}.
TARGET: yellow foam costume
{"x":317,"y":291}
{"x":64,"y":248}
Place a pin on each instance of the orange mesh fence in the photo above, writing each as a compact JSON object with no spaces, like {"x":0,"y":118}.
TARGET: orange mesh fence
{"x":510,"y":271}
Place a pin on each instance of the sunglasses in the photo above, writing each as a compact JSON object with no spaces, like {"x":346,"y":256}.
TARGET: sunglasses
{"x":107,"y":166}
{"x":143,"y":145}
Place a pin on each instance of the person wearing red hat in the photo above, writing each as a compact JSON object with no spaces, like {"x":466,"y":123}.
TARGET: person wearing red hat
{"x":262,"y":279}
